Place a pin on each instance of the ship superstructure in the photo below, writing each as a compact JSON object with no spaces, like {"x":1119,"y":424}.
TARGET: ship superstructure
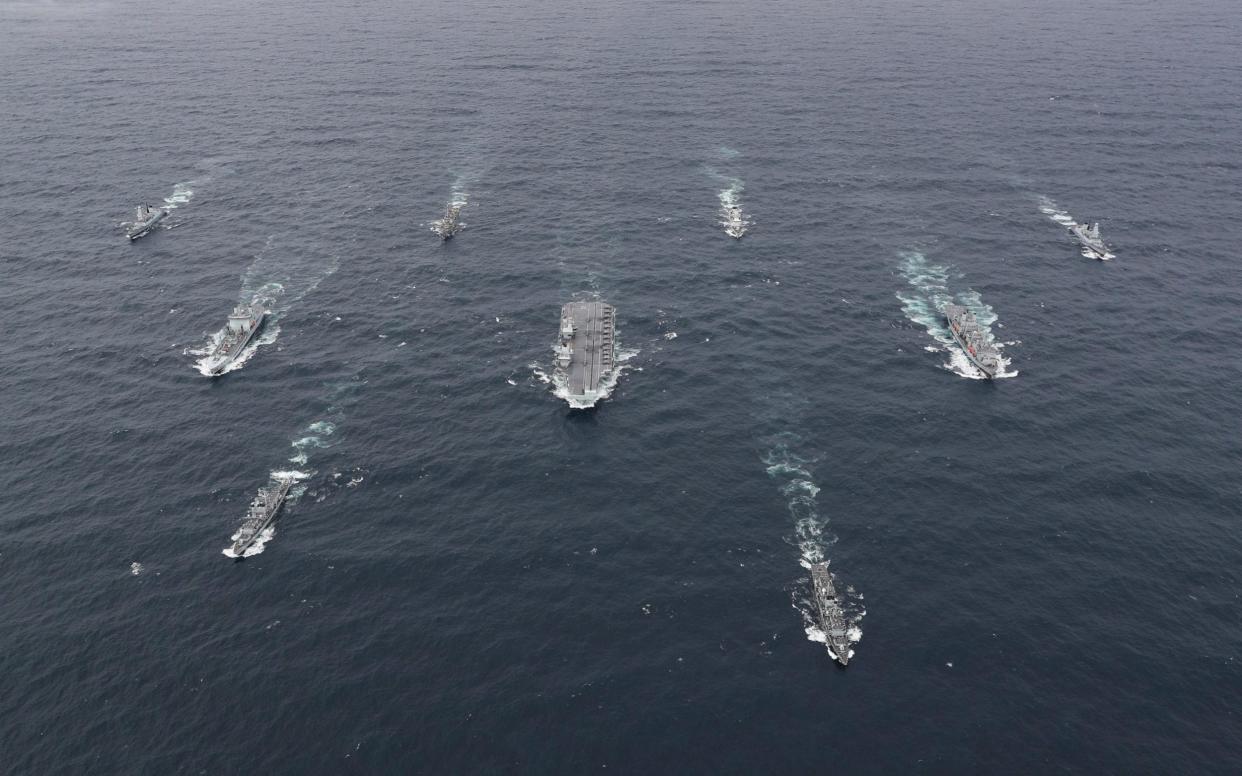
{"x":244,"y":322}
{"x":145,"y":219}
{"x":586,"y":350}
{"x":262,"y":512}
{"x":973,"y":340}
{"x":449,"y":225}
{"x":831,"y":617}
{"x":1089,"y":236}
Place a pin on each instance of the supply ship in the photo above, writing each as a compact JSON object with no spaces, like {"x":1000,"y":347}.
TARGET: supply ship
{"x":145,"y":220}
{"x":831,"y":618}
{"x":263,"y":510}
{"x":972,"y":339}
{"x":586,"y":350}
{"x":244,"y":323}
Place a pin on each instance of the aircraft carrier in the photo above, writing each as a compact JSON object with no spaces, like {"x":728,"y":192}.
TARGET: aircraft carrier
{"x":586,"y":350}
{"x":243,"y":324}
{"x":831,"y":618}
{"x":263,"y":510}
{"x":969,"y":335}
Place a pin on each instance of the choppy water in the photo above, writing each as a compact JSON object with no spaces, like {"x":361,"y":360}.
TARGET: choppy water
{"x":474,"y":578}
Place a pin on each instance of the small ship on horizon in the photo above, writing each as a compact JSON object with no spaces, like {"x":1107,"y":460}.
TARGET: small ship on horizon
{"x":244,"y":323}
{"x":970,"y":337}
{"x":145,"y":219}
{"x":263,"y":510}
{"x":831,"y":617}
{"x":586,"y":350}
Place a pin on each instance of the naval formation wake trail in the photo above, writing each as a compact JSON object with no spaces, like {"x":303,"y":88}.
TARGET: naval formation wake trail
{"x":586,"y":368}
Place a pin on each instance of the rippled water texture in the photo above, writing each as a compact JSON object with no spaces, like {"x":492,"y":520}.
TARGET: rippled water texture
{"x":472,"y":577}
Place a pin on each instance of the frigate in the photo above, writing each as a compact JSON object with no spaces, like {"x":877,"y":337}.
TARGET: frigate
{"x":586,"y":350}
{"x":262,"y":512}
{"x":973,"y":340}
{"x":244,"y":323}
{"x":831,"y":617}
{"x":145,"y":220}
{"x":448,"y":226}
{"x":735,"y":224}
{"x":1089,"y":236}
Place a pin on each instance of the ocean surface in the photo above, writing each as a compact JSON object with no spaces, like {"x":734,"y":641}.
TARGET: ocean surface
{"x":1042,"y":572}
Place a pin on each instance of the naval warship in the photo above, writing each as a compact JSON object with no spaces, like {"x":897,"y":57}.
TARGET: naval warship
{"x":145,"y":220}
{"x":735,"y":225}
{"x":448,"y":226}
{"x":244,"y":323}
{"x":586,"y":351}
{"x":1089,"y":236}
{"x":263,"y":509}
{"x":975,"y":344}
{"x":831,"y":618}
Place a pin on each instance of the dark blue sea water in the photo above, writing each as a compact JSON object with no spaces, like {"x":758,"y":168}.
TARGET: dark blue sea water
{"x":1043,"y":570}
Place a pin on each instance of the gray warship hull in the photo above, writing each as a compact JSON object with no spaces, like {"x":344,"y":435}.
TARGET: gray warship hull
{"x":586,"y":354}
{"x":138,"y":230}
{"x":972,"y":353}
{"x":1098,"y":249}
{"x":234,"y":344}
{"x":1089,"y":239}
{"x":449,"y":224}
{"x":269,"y":502}
{"x":226,"y":359}
{"x":831,"y":617}
{"x":973,"y":359}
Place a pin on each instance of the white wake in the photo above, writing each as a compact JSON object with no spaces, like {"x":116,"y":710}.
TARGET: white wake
{"x":560,"y":384}
{"x":924,"y":301}
{"x":792,"y":470}
{"x":1060,"y":216}
{"x":269,"y":533}
{"x":732,"y":216}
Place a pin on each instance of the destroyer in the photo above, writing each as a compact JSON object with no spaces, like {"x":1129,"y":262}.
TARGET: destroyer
{"x":1089,"y":236}
{"x":263,"y":509}
{"x":970,"y":336}
{"x":448,"y":226}
{"x":831,"y":618}
{"x":586,"y":352}
{"x":735,"y":225}
{"x":145,"y":220}
{"x":244,"y":323}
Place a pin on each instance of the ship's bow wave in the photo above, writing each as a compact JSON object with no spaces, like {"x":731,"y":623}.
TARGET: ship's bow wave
{"x":791,"y":468}
{"x":732,"y":216}
{"x":257,"y":546}
{"x":924,"y":299}
{"x":1060,"y":216}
